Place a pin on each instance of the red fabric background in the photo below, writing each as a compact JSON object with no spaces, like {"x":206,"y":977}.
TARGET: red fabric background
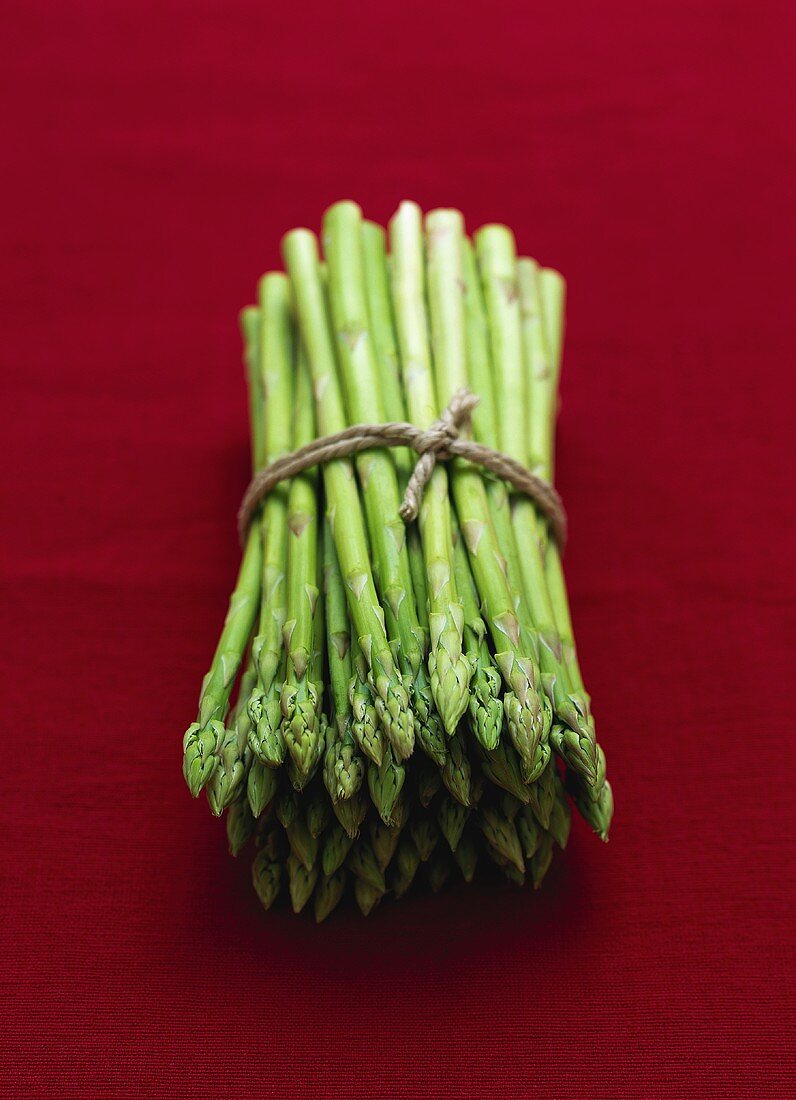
{"x":154,"y":153}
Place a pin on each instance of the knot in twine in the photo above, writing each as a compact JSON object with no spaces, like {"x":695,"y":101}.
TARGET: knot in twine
{"x":439,"y":442}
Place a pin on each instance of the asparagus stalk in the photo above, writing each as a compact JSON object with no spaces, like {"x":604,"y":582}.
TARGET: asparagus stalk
{"x":574,"y":736}
{"x":234,"y":755}
{"x":347,"y":766}
{"x":500,"y":833}
{"x":525,"y":711}
{"x":318,"y":813}
{"x":240,"y":826}
{"x":301,"y":882}
{"x":336,"y":846}
{"x":342,"y":238}
{"x":362,"y":862}
{"x":303,"y":844}
{"x":496,"y":256}
{"x":405,"y":865}
{"x":502,"y":766}
{"x":385,"y":342}
{"x":267,"y":877}
{"x":579,"y":750}
{"x":466,"y":856}
{"x":385,"y":784}
{"x":427,"y":782}
{"x":542,"y":795}
{"x":449,"y":669}
{"x":438,"y":869}
{"x":425,"y":835}
{"x":509,"y":869}
{"x":276,"y":360}
{"x":561,"y":817}
{"x":541,"y":860}
{"x":384,"y":841}
{"x":387,"y":383}
{"x":328,"y":894}
{"x":300,"y":252}
{"x":261,"y":786}
{"x":456,"y":773}
{"x":299,"y":699}
{"x":226,"y":781}
{"x":287,"y":807}
{"x":205,"y":737}
{"x":485,"y":705}
{"x":351,"y":813}
{"x":364,"y":718}
{"x":452,"y":818}
{"x":529,"y":831}
{"x":367,"y":896}
{"x":206,"y":740}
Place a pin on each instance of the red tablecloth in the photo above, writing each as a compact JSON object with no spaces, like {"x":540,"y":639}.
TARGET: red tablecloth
{"x":153,"y":155}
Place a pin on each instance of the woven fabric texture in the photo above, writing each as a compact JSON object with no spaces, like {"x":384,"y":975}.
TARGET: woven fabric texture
{"x":154,"y":153}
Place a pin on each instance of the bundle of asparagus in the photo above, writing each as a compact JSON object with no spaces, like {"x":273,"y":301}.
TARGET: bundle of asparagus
{"x":408,"y":695}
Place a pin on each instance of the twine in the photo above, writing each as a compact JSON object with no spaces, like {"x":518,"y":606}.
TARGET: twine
{"x":438,"y":443}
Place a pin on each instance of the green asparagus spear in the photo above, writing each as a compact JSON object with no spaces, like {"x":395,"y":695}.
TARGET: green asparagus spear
{"x":303,"y":844}
{"x":466,"y":856}
{"x":574,"y":738}
{"x":385,"y":784}
{"x":276,"y":367}
{"x":267,"y":874}
{"x":452,"y":818}
{"x":424,"y":833}
{"x":359,"y":364}
{"x":457,"y":773}
{"x":336,"y":846}
{"x":299,"y":700}
{"x":328,"y":894}
{"x":543,"y":793}
{"x":529,"y":831}
{"x":449,"y":668}
{"x":502,"y":767}
{"x":541,"y":860}
{"x":234,"y":757}
{"x":300,"y":251}
{"x":501,"y":834}
{"x":438,"y":869}
{"x":206,"y":739}
{"x":301,"y":882}
{"x":405,"y":865}
{"x":287,"y":806}
{"x":428,"y":727}
{"x":485,"y":706}
{"x":240,"y":826}
{"x":561,"y":817}
{"x":496,"y":257}
{"x":384,"y":840}
{"x":348,"y":768}
{"x":524,"y":709}
{"x":362,"y":862}
{"x":351,"y":813}
{"x":365,"y":727}
{"x":367,"y":896}
{"x":576,"y":741}
{"x":261,"y":786}
{"x":427,"y":781}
